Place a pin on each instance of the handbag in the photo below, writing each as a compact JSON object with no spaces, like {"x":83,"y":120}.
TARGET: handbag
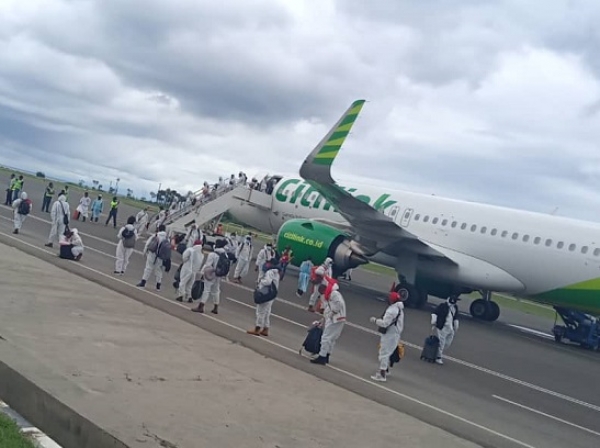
{"x":265,"y":294}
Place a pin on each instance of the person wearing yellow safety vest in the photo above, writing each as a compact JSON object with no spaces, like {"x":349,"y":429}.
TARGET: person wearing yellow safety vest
{"x":114,"y":208}
{"x":9,"y":192}
{"x":17,"y":186}
{"x":48,"y":195}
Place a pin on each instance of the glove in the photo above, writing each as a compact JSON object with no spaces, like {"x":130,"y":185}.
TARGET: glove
{"x":433,"y":319}
{"x":372,"y":319}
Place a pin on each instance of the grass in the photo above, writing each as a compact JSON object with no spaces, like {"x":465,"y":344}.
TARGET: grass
{"x":11,"y":436}
{"x":75,"y":191}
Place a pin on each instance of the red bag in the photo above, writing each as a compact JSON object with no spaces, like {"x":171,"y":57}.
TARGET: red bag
{"x":76,"y":215}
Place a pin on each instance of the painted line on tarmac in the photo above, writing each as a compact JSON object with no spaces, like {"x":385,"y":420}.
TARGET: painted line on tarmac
{"x":532,"y":331}
{"x":535,"y":411}
{"x":269,"y":341}
{"x":408,"y":344}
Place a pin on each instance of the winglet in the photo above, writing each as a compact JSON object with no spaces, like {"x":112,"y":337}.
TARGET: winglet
{"x":317,"y":166}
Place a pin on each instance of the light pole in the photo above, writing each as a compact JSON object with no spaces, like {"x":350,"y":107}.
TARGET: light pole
{"x":117,"y":186}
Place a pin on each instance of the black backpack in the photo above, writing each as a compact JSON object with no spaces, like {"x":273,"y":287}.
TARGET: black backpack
{"x":128,"y":238}
{"x":223,"y":264}
{"x":24,"y":207}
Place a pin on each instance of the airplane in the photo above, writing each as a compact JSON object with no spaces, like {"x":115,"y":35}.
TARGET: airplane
{"x":438,"y":246}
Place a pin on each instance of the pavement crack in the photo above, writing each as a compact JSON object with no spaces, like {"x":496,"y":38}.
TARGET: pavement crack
{"x":162,"y":442}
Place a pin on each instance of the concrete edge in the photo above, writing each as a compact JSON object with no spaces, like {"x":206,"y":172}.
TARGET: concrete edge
{"x":39,"y":439}
{"x":63,"y":424}
{"x":425,"y":413}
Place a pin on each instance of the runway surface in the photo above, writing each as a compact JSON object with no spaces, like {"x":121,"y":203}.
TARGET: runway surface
{"x":500,"y":386}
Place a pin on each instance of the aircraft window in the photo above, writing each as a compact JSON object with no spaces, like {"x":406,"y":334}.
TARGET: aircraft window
{"x":537,"y":240}
{"x":426,"y":219}
{"x":515,"y":236}
{"x":548,"y":242}
{"x":584,"y":249}
{"x":525,"y":238}
{"x":560,"y":245}
{"x":494,"y":232}
{"x":454,"y":224}
{"x":483,"y":229}
{"x":435,"y":220}
{"x":596,"y":252}
{"x":463,"y":225}
{"x":572,"y":247}
{"x":417,"y":217}
{"x":504,"y":233}
{"x":473,"y":228}
{"x":444,"y":222}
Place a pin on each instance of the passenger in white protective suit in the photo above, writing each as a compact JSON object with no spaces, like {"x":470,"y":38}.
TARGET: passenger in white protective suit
{"x":71,"y":245}
{"x":141,"y":220}
{"x":265,"y":254}
{"x":60,"y":210}
{"x":153,"y":263}
{"x":243,"y":255}
{"x":390,"y":326}
{"x":84,"y":206}
{"x":326,"y":269}
{"x":192,"y":263}
{"x":445,"y":321}
{"x":263,"y":310}
{"x":193,"y":235}
{"x":127,"y":236}
{"x":212,"y":283}
{"x":334,"y":318}
{"x":18,"y":217}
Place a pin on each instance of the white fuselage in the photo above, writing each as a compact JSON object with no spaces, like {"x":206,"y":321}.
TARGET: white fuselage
{"x":505,"y":249}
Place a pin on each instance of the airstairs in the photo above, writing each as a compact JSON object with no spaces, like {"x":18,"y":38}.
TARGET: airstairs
{"x":211,"y":209}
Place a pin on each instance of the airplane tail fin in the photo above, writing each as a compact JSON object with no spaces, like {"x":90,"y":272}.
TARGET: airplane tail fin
{"x":317,"y":166}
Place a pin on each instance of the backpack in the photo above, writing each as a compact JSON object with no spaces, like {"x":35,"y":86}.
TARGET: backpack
{"x":24,"y":207}
{"x":164,"y":250}
{"x":222,"y":267}
{"x":128,"y":238}
{"x":153,"y":246}
{"x":265,"y":294}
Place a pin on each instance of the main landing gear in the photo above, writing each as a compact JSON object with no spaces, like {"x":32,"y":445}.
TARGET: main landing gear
{"x":417,"y":296}
{"x":485,"y":308}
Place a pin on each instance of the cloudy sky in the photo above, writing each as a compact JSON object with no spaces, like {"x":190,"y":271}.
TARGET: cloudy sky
{"x":494,"y":101}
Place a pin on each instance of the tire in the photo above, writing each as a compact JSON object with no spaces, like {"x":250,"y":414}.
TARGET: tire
{"x":479,"y":309}
{"x":494,"y":312}
{"x":413,"y":296}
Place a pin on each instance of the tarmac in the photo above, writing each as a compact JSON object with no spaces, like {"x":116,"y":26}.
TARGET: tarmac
{"x":500,"y":386}
{"x":152,"y":380}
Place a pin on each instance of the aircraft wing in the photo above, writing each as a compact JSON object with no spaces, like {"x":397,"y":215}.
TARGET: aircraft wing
{"x":372,"y":229}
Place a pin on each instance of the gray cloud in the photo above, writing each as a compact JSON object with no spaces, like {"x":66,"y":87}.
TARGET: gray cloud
{"x":490,"y":101}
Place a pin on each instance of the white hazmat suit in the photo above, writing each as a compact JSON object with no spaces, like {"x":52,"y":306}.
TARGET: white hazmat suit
{"x":19,"y":219}
{"x":84,"y":206}
{"x":192,"y":263}
{"x":243,"y":255}
{"x":334,"y":314}
{"x":141,"y":219}
{"x":324,"y":270}
{"x":212,"y":283}
{"x":263,"y":310}
{"x":153,"y":263}
{"x":393,"y":320}
{"x":124,"y":253}
{"x":446,"y":317}
{"x":59,"y":210}
{"x":264,"y":255}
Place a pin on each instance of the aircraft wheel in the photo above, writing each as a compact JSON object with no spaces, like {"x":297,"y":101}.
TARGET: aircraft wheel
{"x":413,"y":295}
{"x":494,"y":312}
{"x":479,"y":309}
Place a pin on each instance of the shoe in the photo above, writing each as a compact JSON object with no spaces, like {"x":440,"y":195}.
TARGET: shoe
{"x":190,"y":300}
{"x":379,"y":377}
{"x":439,"y":361}
{"x":311,"y":308}
{"x":116,"y":272}
{"x":199,"y":308}
{"x":158,"y":286}
{"x":16,"y":231}
{"x":78,"y":257}
{"x":327,"y":358}
{"x":264,"y":332}
{"x":215,"y":309}
{"x":122,"y":272}
{"x":141,"y":284}
{"x":255,"y":332}
{"x":49,"y":245}
{"x":322,"y":360}
{"x":179,"y":299}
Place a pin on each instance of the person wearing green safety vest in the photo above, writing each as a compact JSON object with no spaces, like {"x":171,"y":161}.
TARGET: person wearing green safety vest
{"x":9,"y":189}
{"x":17,"y":187}
{"x":114,"y":208}
{"x":48,"y":195}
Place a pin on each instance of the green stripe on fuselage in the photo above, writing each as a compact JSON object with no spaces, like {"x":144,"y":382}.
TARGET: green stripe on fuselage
{"x":584,"y":296}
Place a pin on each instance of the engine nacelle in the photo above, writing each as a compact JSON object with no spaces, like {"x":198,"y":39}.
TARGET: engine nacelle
{"x":318,"y":241}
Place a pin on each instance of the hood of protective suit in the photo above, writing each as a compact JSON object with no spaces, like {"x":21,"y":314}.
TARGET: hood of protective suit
{"x":62,"y":198}
{"x":23,"y":195}
{"x":129,"y":226}
{"x":328,"y":262}
{"x":332,"y":286}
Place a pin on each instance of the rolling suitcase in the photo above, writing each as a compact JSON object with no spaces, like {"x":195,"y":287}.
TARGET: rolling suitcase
{"x":312,"y":342}
{"x":430,"y":348}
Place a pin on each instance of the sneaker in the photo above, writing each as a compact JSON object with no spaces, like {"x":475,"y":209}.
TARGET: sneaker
{"x":116,"y":272}
{"x":379,"y":377}
{"x":439,"y":361}
{"x":179,"y":299}
{"x":49,"y":245}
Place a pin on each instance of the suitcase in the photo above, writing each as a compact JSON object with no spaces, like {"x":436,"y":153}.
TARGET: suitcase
{"x":312,"y":343}
{"x":197,"y":289}
{"x":430,"y":348}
